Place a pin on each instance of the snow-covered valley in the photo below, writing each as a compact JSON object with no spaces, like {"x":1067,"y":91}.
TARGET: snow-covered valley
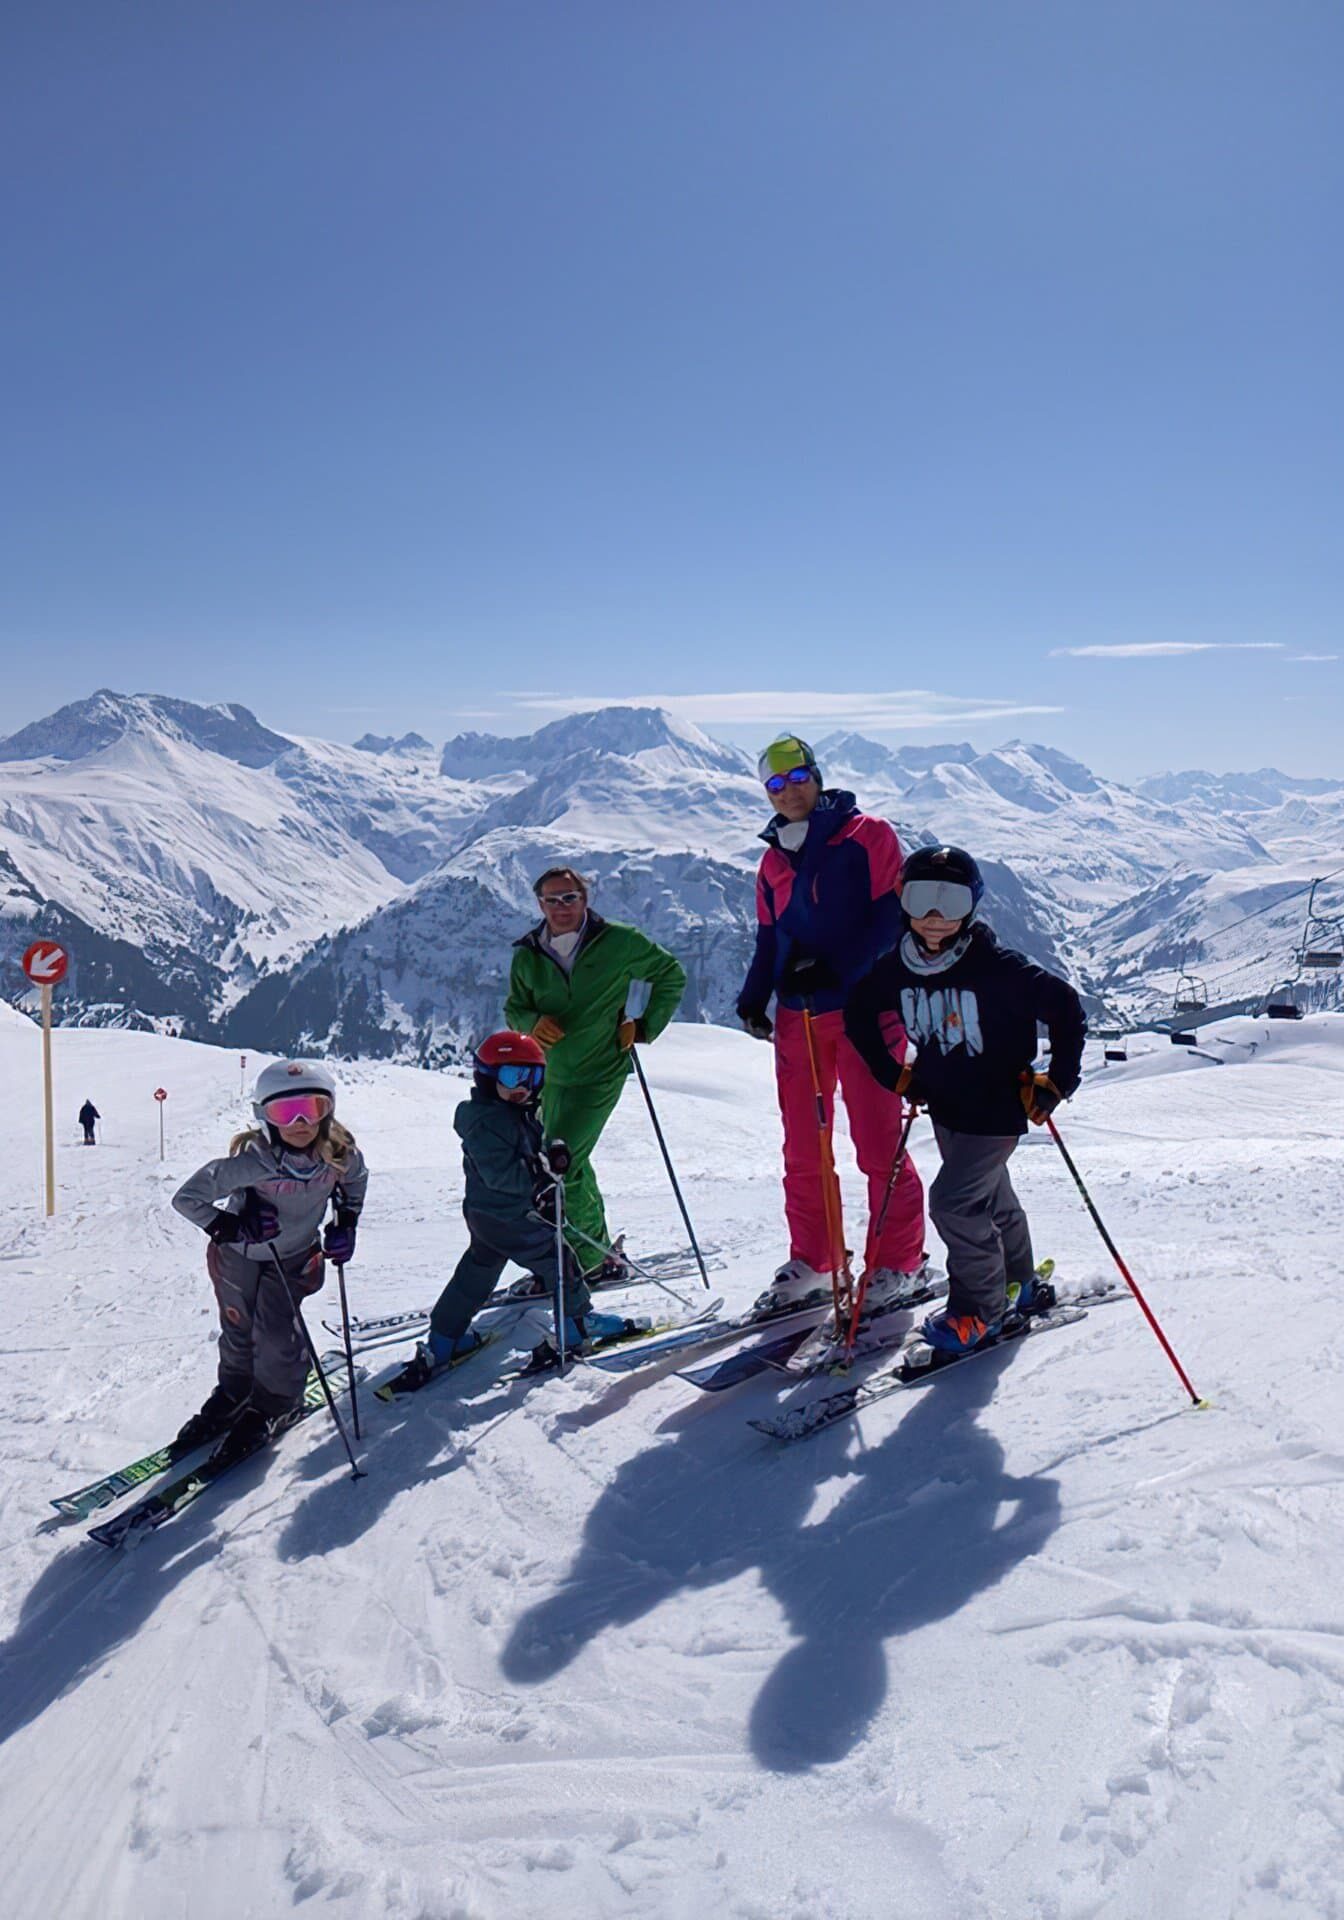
{"x":1036,"y":1643}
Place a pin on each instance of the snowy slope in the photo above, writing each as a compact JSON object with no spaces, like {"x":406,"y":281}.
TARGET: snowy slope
{"x":1034,"y":1644}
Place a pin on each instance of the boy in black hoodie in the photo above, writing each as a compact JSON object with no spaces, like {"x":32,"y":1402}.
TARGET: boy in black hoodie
{"x":971,"y":1007}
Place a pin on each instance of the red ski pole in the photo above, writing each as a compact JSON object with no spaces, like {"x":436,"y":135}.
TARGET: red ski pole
{"x":875,"y":1232}
{"x":1125,"y":1273}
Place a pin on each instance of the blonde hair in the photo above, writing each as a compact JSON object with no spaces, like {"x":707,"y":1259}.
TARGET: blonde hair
{"x":333,"y":1143}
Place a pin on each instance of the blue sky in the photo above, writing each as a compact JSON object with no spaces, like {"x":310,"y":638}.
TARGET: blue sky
{"x":454,"y":364}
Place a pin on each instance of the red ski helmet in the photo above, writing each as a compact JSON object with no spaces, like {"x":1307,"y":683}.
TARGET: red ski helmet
{"x":508,"y":1046}
{"x":516,"y":1059}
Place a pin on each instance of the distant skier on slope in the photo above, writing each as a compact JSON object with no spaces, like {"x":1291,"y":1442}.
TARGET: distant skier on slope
{"x":827,"y":905}
{"x":88,"y":1114}
{"x":275,"y":1182}
{"x":569,"y":985}
{"x":971,"y":1007}
{"x":505,"y":1204}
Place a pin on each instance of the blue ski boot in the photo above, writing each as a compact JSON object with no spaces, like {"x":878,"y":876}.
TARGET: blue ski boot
{"x":593,"y":1326}
{"x":959,"y":1333}
{"x":444,"y":1352}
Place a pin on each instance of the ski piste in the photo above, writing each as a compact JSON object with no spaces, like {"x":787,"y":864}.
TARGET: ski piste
{"x":799,"y":1423}
{"x":790,"y":1353}
{"x":167,"y":1502}
{"x":101,"y":1493}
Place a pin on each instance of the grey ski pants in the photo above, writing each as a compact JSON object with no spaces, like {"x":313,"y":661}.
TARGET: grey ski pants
{"x":261,"y":1351}
{"x":980,"y":1221}
{"x":494,"y":1242}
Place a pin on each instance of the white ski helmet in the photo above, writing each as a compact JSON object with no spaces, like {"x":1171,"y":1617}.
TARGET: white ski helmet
{"x":290,"y":1076}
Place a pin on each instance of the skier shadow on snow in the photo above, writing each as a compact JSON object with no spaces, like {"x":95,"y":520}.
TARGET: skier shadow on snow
{"x":406,"y":1445}
{"x":916,"y":1538}
{"x":84,"y":1606}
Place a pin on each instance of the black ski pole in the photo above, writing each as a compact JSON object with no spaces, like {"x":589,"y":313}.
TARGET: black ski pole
{"x":557,"y":1159}
{"x":349,"y":1349}
{"x":356,"y":1471}
{"x":667,"y":1162}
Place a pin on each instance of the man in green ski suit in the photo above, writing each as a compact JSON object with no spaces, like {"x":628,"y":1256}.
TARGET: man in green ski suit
{"x":568,"y":987}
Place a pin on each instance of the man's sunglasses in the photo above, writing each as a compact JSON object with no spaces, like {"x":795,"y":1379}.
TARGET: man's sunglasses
{"x":795,"y":777}
{"x":290,"y":1108}
{"x":559,"y":899}
{"x":521,"y":1073}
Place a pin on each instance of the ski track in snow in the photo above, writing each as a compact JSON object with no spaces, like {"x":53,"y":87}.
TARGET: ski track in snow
{"x":1037,"y":1641}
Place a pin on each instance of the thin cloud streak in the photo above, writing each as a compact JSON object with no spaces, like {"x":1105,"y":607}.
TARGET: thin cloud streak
{"x":1164,"y":649}
{"x":910,"y":708}
{"x":1303,"y":659}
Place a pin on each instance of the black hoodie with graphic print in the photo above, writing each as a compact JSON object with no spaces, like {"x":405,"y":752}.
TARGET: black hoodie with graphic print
{"x":975,"y":1025}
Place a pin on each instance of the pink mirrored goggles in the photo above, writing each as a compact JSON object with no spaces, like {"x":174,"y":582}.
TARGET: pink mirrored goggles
{"x":290,"y":1108}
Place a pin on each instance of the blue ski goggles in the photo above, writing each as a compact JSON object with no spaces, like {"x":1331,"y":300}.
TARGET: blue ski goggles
{"x":795,"y":777}
{"x":948,"y":898}
{"x":521,"y":1074}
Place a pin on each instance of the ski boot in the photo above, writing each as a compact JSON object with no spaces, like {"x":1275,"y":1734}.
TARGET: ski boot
{"x":218,"y":1414}
{"x":958,"y":1333}
{"x":1035,"y":1294}
{"x":796,"y":1284}
{"x":435,"y":1353}
{"x":254,"y":1429}
{"x":887,"y":1289}
{"x":581,"y":1332}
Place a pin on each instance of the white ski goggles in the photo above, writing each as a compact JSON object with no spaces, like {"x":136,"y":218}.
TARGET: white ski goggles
{"x":948,"y":898}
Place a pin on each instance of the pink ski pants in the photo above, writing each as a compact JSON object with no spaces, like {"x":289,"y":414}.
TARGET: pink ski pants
{"x":875,"y":1127}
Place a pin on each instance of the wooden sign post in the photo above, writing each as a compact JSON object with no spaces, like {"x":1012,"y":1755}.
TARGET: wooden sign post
{"x":45,"y":964}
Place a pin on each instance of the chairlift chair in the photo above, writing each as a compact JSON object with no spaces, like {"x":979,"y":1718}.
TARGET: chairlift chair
{"x":1191,"y":996}
{"x":1115,"y":1056}
{"x":1322,"y":948}
{"x":1184,"y":1039}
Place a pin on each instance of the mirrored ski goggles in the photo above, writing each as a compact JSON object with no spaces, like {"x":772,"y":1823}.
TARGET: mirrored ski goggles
{"x":795,"y":777}
{"x":947,"y":898}
{"x":521,"y":1073}
{"x":560,"y":899}
{"x":290,"y":1108}
{"x":788,"y":754}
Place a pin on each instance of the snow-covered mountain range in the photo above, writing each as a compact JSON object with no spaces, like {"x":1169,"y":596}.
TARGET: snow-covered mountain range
{"x":233,"y":882}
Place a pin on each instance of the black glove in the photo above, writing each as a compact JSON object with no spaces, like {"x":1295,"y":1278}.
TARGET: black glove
{"x":338,"y":1243}
{"x":557,"y":1157}
{"x":546,"y":1202}
{"x":805,"y":974}
{"x":907,"y":1085}
{"x":258,"y":1221}
{"x":756,"y":1021}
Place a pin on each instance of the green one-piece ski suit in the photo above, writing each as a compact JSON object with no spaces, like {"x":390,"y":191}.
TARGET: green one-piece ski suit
{"x":586,"y":1071}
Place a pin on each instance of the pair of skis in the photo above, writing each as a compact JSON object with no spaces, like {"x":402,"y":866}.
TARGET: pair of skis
{"x":164,"y":1502}
{"x":917,"y":1366}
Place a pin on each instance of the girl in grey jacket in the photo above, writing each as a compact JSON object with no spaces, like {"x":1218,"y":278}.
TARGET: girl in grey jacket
{"x":264,"y":1201}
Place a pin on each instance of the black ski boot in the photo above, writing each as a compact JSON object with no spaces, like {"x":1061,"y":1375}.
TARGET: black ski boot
{"x":254,"y":1429}
{"x":215,"y":1417}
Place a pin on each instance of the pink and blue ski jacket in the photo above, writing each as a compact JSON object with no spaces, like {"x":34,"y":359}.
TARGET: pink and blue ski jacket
{"x":837,"y":898}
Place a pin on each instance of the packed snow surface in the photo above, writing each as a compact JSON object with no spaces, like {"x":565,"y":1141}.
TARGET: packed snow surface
{"x":1038,"y":1640}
